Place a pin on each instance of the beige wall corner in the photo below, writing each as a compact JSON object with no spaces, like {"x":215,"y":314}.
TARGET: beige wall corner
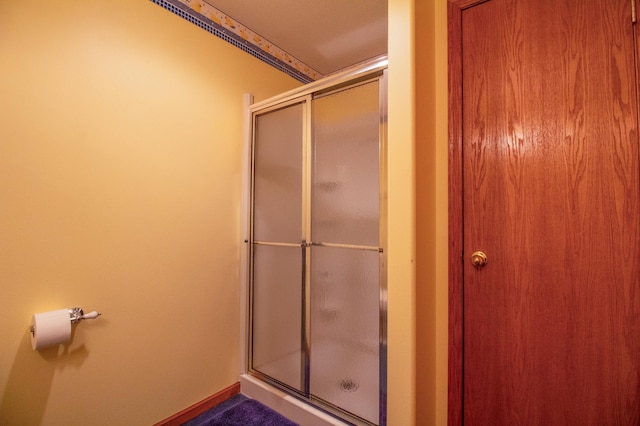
{"x":401,"y":216}
{"x":441,"y":207}
{"x":431,"y":176}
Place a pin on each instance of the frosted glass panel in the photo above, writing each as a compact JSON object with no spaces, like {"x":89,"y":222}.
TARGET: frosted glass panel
{"x":277,"y":313}
{"x":345,"y":301}
{"x":315,"y":319}
{"x":278,"y":176}
{"x":345,"y":192}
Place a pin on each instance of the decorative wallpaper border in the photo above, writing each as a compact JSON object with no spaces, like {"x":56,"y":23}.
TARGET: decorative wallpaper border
{"x":205,"y":16}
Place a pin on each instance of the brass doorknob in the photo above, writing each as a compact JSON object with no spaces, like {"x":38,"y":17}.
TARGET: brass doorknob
{"x":479,"y":259}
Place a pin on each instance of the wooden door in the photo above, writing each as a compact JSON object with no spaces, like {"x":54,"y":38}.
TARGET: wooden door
{"x":551,"y":189}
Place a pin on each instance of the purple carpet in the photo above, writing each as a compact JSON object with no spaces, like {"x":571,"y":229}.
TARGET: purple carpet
{"x":240,"y":411}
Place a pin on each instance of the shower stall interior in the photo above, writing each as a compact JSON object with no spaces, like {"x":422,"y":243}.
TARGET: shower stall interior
{"x":316,"y":244}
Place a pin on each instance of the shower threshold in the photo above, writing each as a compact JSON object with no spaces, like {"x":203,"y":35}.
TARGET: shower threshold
{"x":285,"y":404}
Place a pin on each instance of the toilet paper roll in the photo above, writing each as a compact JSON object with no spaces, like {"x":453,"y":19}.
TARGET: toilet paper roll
{"x":50,"y":328}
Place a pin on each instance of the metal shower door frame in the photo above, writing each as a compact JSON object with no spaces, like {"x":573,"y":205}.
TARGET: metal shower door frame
{"x":368,"y":72}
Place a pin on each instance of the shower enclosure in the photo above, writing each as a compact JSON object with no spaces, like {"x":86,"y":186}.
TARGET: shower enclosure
{"x":316,"y":261}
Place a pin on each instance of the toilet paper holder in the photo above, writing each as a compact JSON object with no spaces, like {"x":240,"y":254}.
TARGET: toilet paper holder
{"x":75,"y":316}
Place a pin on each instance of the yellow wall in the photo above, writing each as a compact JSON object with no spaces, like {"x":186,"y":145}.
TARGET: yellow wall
{"x":120,"y":159}
{"x":441,"y":236}
{"x":401,"y":217}
{"x":425,"y":202}
{"x":418,"y":287}
{"x":418,"y":101}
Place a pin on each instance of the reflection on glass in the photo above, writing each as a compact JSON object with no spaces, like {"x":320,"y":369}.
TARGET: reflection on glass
{"x":345,"y":195}
{"x":278,"y":175}
{"x":345,"y":301}
{"x":277,"y":313}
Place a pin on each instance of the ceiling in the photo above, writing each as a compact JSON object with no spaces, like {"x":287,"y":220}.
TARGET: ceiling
{"x":326,"y":35}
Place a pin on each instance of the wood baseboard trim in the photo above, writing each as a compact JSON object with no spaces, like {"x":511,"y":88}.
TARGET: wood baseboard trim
{"x":200,"y":407}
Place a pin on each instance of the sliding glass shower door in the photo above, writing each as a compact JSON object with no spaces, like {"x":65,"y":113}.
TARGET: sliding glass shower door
{"x":316,"y":270}
{"x":277,"y":258}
